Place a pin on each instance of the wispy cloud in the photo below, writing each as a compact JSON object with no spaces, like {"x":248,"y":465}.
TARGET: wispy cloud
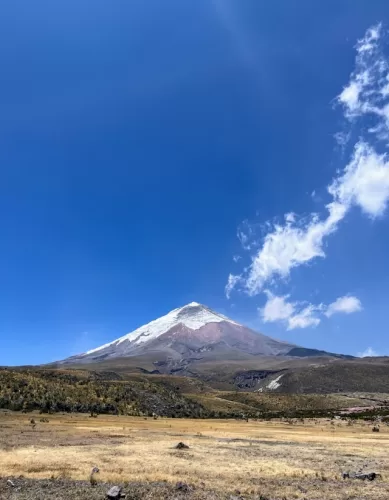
{"x":305,"y":318}
{"x":368,"y":353}
{"x":347,"y":304}
{"x":363,"y":183}
{"x":290,"y":245}
{"x":231,"y":284}
{"x":302,"y":314}
{"x":367,"y":89}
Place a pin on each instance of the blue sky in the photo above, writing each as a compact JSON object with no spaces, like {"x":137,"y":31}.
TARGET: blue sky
{"x":150,"y":150}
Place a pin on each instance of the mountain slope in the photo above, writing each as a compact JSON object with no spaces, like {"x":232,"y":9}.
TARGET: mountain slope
{"x":194,"y":341}
{"x":189,"y":331}
{"x":202,"y":349}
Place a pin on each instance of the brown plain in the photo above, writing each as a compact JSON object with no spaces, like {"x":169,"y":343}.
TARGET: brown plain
{"x":292,"y":460}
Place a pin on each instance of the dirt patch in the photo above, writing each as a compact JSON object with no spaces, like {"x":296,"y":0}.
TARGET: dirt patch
{"x":63,"y":489}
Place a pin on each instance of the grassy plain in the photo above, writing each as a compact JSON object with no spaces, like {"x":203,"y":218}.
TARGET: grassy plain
{"x":278,"y":460}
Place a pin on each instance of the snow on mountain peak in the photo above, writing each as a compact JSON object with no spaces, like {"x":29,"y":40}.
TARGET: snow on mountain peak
{"x":193,"y":316}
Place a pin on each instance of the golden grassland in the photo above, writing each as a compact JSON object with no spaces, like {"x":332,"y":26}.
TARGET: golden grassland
{"x":278,"y":459}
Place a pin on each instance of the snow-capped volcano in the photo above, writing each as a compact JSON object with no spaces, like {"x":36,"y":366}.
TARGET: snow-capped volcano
{"x":183,"y":333}
{"x":193,"y":316}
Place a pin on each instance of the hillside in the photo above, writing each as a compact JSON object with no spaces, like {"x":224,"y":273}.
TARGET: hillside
{"x":82,"y":391}
{"x":91,"y":392}
{"x":340,"y":376}
{"x":280,"y":374}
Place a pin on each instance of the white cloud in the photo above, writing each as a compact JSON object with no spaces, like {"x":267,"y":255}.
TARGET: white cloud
{"x":363,"y":183}
{"x":246,"y":235}
{"x":291,"y":245}
{"x":367,"y":353}
{"x":277,"y":309}
{"x":231,"y":283}
{"x":342,"y":138}
{"x":367,"y":90}
{"x":243,"y":238}
{"x":236,"y":258}
{"x":350,"y":96}
{"x":305,"y":318}
{"x":302,"y":314}
{"x":293,"y":314}
{"x":368,"y":42}
{"x":290,"y":217}
{"x":365,"y":180}
{"x":347,"y":304}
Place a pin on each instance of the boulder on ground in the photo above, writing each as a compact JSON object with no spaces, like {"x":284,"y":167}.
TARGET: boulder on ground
{"x":115,"y":493}
{"x":182,"y":446}
{"x":370,"y":476}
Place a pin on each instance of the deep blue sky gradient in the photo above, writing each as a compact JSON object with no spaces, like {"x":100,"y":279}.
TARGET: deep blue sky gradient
{"x":136,"y":136}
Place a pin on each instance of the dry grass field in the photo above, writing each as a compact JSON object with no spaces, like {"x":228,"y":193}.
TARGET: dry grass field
{"x":272,"y":460}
